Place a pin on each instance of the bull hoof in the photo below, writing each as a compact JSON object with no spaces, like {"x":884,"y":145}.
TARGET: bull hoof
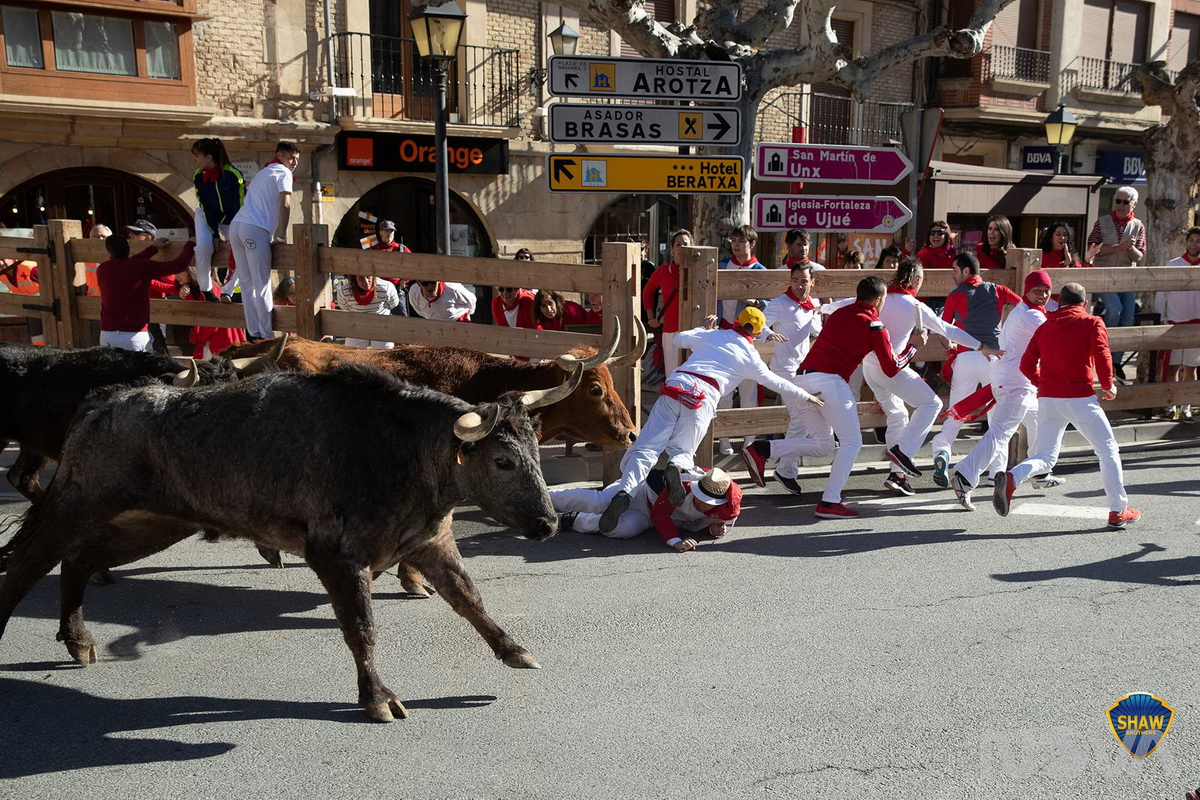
{"x":417,"y":588}
{"x":83,"y":653}
{"x":386,"y":709}
{"x":271,"y":556}
{"x":521,"y":660}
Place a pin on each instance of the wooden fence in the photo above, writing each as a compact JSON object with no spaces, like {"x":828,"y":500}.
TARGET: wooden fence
{"x":61,"y":253}
{"x":702,"y":285}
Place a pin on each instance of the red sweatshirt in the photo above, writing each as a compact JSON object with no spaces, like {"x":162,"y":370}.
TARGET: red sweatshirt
{"x":941,"y":258}
{"x":125,"y":287}
{"x":665,"y":279}
{"x":573,"y":314}
{"x":847,"y":337}
{"x":1064,"y":352}
{"x":661,"y":512}
{"x":524,"y":308}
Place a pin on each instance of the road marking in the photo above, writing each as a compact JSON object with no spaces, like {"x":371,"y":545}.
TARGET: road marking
{"x":1051,"y":510}
{"x":909,"y":502}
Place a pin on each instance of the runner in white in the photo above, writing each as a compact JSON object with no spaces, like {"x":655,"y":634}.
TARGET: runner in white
{"x":1182,"y":308}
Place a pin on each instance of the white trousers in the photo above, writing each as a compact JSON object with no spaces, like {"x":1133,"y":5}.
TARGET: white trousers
{"x":990,"y":454}
{"x":672,"y":428}
{"x":252,"y":254}
{"x":808,"y":434}
{"x":971,"y":370}
{"x":893,"y":394}
{"x":204,"y":249}
{"x":127,"y":340}
{"x":590,"y":503}
{"x":1054,"y":414}
{"x":838,"y":416}
{"x":670,"y":354}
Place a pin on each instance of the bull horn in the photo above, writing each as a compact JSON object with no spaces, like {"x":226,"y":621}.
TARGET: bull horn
{"x":640,"y":339}
{"x":567,"y":362}
{"x":256,"y":364}
{"x":545,"y":397}
{"x":327,"y":338}
{"x":471,"y":427}
{"x":189,"y":377}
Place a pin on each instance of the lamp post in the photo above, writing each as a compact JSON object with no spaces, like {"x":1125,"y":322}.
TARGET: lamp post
{"x":1060,"y":127}
{"x":437,"y":31}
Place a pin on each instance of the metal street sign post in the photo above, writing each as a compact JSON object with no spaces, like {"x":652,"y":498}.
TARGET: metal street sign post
{"x":645,"y":78}
{"x":614,"y":124}
{"x":782,"y":212}
{"x":825,"y":163}
{"x":645,"y":174}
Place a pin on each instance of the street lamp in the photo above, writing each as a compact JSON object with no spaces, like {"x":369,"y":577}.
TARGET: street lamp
{"x":437,"y":31}
{"x":564,"y":39}
{"x":1060,"y":127}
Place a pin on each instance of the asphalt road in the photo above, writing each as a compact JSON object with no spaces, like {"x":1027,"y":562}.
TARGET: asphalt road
{"x":918,"y":652}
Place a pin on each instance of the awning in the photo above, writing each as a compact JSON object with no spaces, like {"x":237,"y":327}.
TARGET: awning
{"x":968,"y":189}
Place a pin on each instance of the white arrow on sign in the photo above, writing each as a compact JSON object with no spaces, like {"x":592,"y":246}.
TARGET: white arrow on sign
{"x":613,"y":124}
{"x":645,"y":78}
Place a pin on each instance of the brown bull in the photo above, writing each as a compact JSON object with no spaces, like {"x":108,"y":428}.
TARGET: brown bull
{"x":594,"y":412}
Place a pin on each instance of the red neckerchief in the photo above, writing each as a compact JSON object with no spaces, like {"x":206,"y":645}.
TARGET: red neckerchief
{"x":895,"y":288}
{"x":807,"y":303}
{"x":210,"y":175}
{"x":1121,"y":220}
{"x":441,"y":287}
{"x":1040,"y":309}
{"x":795,"y":262}
{"x":974,"y":280}
{"x":1189,"y":260}
{"x":749,"y":336}
{"x":741,"y":265}
{"x":363,"y":296}
{"x":272,"y":161}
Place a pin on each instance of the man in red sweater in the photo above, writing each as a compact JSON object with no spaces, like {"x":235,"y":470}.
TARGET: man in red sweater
{"x":125,"y":290}
{"x":1061,"y":359}
{"x":665,"y":280}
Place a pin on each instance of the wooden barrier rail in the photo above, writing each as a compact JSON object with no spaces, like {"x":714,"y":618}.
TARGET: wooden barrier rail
{"x":61,"y":253}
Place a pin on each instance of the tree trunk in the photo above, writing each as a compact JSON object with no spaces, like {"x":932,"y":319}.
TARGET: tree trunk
{"x":1171,"y":188}
{"x":714,"y":216}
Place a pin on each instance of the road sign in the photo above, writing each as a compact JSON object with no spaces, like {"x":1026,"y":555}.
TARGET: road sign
{"x":815,"y":212}
{"x":645,"y":78}
{"x":645,"y":174}
{"x":611,"y":124}
{"x":826,"y":163}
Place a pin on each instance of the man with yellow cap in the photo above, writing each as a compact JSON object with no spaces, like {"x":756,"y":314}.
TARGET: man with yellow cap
{"x":711,"y":504}
{"x":720,"y":360}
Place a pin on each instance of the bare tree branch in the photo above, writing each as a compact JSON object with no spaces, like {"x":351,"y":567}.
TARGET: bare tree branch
{"x":631,"y":22}
{"x":775,"y":16}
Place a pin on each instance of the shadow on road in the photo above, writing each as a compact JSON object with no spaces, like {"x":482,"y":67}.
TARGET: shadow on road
{"x":1128,"y":568}
{"x":46,"y":728}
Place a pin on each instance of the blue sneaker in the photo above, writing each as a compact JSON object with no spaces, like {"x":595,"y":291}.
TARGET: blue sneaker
{"x":941,"y":466}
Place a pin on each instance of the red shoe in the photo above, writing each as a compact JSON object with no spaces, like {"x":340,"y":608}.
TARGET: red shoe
{"x":834,"y":511}
{"x":1117,"y":520}
{"x":1002,"y":493}
{"x":755,"y":464}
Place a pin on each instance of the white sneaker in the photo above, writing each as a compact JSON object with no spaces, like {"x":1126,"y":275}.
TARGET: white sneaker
{"x":1048,"y":482}
{"x":725,"y":448}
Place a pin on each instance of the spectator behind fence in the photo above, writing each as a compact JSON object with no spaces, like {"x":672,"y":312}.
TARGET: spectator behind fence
{"x":285,"y":292}
{"x":798,"y":245}
{"x":889,"y":258}
{"x":992,"y":252}
{"x":854,"y":260}
{"x":366,"y":294}
{"x":665,"y":281}
{"x":1181,"y":308}
{"x":442,"y":301}
{"x":552,"y":313}
{"x":1058,"y":247}
{"x":938,"y":252}
{"x":262,"y":221}
{"x":220,"y":191}
{"x":512,"y":307}
{"x":1118,"y":239}
{"x":208,"y":340}
{"x":160,"y":288}
{"x":125,"y":290}
{"x":386,"y":233}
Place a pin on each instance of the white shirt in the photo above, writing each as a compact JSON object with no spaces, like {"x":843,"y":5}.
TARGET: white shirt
{"x":455,"y":302}
{"x":1018,"y":329}
{"x":386,"y":298}
{"x":261,"y":206}
{"x":728,"y":358}
{"x":800,"y":326}
{"x":899,"y":318}
{"x":1178,"y":306}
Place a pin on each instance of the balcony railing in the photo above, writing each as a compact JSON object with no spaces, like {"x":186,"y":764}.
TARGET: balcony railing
{"x":832,"y":119}
{"x":1097,"y":73}
{"x":1016,"y":63}
{"x":391,"y":81}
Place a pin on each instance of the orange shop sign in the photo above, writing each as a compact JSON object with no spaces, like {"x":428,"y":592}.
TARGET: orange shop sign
{"x":393,"y":152}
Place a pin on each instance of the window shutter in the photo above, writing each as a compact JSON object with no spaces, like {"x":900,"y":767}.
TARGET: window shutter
{"x":1185,"y":41}
{"x":1131,"y":20}
{"x":1093,"y":41}
{"x":663,"y":12}
{"x":1017,"y":25}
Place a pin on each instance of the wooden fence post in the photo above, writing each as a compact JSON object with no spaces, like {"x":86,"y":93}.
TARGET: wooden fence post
{"x":314,"y":289}
{"x":697,"y":300}
{"x":69,"y":329}
{"x":622,"y":267}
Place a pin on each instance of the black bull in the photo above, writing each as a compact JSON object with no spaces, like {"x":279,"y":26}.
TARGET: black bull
{"x":147,"y":467}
